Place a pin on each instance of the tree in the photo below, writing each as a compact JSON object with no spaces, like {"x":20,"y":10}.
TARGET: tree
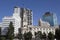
{"x":19,"y":34}
{"x":57,"y":33}
{"x":10,"y":33}
{"x":3,"y":38}
{"x":44,"y":36}
{"x":25,"y":36}
{"x":39,"y":34}
{"x":28,"y":36}
{"x":0,"y":33}
{"x":35,"y":34}
{"x":50,"y":36}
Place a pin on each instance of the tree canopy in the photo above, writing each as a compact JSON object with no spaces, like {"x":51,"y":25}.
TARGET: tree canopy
{"x":50,"y":36}
{"x":10,"y":33}
{"x":57,"y":33}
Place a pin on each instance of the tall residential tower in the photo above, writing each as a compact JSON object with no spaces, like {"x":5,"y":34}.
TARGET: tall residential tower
{"x":22,"y":17}
{"x":24,"y":14}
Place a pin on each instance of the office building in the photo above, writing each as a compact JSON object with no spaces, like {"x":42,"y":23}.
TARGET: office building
{"x":51,"y":18}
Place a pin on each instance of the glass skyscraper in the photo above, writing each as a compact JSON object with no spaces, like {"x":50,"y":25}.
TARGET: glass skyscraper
{"x":51,"y":18}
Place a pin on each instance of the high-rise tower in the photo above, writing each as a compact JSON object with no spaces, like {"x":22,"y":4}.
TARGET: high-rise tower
{"x":51,"y":18}
{"x":24,"y":14}
{"x":23,"y":17}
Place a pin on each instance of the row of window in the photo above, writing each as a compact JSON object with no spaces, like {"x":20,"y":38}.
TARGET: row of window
{"x":47,"y":29}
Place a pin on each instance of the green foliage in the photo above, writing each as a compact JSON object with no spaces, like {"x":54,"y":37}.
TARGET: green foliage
{"x":0,"y":30}
{"x":25,"y":35}
{"x":19,"y":34}
{"x":57,"y":34}
{"x":35,"y":34}
{"x":10,"y":33}
{"x":39,"y":34}
{"x":0,"y":33}
{"x":50,"y":36}
{"x":44,"y":35}
{"x":28,"y":36}
{"x":3,"y":38}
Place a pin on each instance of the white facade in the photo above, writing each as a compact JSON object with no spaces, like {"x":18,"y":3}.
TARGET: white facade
{"x":5,"y":24}
{"x":6,"y":21}
{"x":43,"y":29}
{"x":16,"y":16}
{"x":21,"y":17}
{"x":0,"y":24}
{"x":43,"y":23}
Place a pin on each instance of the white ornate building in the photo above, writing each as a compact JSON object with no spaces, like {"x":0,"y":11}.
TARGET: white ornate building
{"x":43,"y":27}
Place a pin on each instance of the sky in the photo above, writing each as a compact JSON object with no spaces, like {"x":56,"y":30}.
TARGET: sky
{"x":39,"y":7}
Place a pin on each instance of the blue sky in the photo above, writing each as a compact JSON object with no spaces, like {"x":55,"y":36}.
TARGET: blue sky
{"x":39,"y":7}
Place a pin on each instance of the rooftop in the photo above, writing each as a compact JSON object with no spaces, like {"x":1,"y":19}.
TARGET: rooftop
{"x":47,"y":14}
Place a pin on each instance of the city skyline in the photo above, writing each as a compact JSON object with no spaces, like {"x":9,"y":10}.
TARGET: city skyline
{"x":38,"y":8}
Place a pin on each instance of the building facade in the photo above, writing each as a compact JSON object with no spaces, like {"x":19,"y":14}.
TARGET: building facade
{"x":43,"y":23}
{"x":43,"y":26}
{"x":44,"y":29}
{"x":21,"y":18}
{"x":51,"y":18}
{"x":5,"y":24}
{"x":24,"y":14}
